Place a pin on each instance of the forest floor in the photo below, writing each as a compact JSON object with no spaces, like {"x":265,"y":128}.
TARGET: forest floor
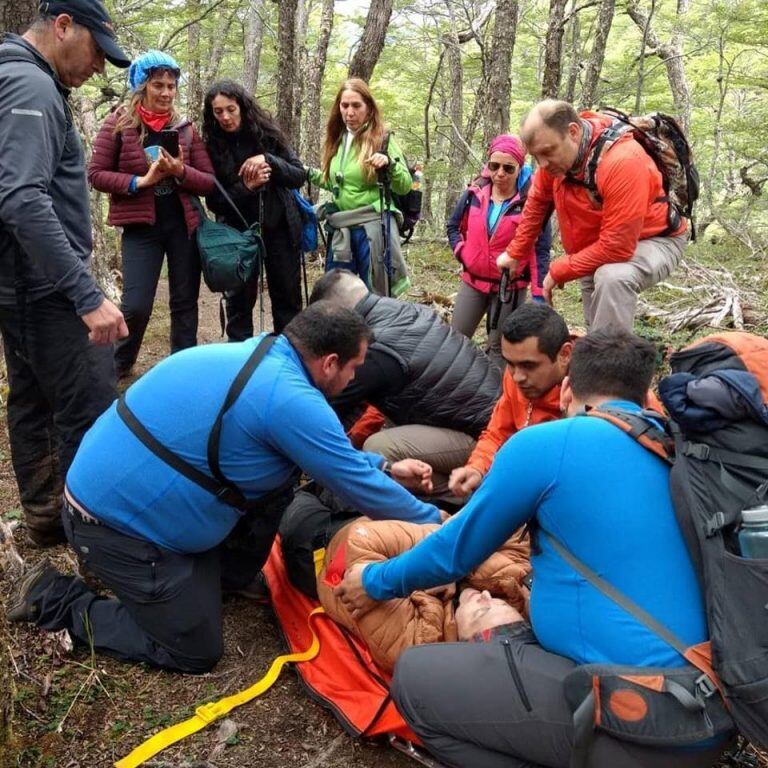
{"x":73,"y":710}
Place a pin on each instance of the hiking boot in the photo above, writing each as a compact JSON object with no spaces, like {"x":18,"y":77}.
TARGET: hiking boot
{"x":257,"y":590}
{"x":19,"y":607}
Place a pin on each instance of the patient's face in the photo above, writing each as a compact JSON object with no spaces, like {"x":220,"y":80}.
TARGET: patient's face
{"x":479,"y":611}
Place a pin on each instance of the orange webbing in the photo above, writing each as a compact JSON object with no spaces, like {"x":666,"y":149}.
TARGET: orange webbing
{"x":654,"y":446}
{"x":701,"y":657}
{"x":652,"y":682}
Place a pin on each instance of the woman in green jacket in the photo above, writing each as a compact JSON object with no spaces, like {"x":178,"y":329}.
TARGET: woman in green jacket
{"x":361,"y":164}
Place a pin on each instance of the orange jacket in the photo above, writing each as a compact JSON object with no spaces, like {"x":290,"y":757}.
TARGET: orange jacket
{"x":424,"y":616}
{"x":594,"y":234}
{"x":512,"y":412}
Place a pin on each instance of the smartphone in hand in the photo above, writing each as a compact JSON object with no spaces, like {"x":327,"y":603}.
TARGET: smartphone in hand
{"x":169,"y":141}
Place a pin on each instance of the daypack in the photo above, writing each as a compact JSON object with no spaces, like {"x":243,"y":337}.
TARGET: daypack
{"x":716,"y":439}
{"x":720,"y":469}
{"x":408,"y":204}
{"x":308,"y":222}
{"x":663,"y":139}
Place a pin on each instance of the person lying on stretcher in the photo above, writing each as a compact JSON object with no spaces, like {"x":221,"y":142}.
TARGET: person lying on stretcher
{"x":494,"y":595}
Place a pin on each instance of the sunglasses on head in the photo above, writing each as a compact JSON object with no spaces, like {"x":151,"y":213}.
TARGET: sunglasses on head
{"x":508,"y":167}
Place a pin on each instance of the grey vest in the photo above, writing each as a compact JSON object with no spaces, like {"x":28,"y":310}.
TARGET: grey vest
{"x":451,"y":383}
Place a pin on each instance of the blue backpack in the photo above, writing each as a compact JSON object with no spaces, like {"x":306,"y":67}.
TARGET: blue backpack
{"x":308,"y":221}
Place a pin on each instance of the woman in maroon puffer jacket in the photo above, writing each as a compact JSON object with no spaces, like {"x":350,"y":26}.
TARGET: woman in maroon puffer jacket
{"x":152,"y":202}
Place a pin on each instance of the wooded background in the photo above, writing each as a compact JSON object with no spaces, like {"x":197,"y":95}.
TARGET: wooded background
{"x":450,"y":74}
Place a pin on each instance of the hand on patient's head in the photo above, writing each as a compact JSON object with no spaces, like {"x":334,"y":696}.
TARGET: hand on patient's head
{"x":479,"y":611}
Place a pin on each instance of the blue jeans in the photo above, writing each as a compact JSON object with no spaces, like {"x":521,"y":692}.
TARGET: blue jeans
{"x":361,"y":256}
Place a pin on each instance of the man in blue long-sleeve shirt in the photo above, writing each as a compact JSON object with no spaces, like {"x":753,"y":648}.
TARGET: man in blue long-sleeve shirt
{"x":605,"y":498}
{"x":152,"y":533}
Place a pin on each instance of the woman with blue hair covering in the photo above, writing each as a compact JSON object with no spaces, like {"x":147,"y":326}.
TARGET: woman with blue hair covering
{"x":151,"y":197}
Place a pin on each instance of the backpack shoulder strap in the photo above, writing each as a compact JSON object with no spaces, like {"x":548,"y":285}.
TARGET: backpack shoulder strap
{"x":242,"y":378}
{"x":640,"y":427}
{"x":607,"y":138}
{"x":707,"y":684}
{"x":219,"y":486}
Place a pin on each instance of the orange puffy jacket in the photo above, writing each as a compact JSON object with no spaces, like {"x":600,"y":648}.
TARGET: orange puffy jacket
{"x":422,"y":617}
{"x":594,"y":234}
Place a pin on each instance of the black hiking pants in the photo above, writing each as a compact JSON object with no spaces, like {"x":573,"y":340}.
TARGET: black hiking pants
{"x":143,"y":248}
{"x":58,"y":386}
{"x":167,"y":609}
{"x":283,"y":270}
{"x":501,"y":704}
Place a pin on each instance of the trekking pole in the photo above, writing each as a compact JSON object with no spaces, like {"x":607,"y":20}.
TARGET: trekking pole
{"x":262,"y":260}
{"x":385,"y":244}
{"x":505,"y":296}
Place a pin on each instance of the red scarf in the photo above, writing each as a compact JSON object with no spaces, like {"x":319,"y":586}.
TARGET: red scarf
{"x":153,"y":120}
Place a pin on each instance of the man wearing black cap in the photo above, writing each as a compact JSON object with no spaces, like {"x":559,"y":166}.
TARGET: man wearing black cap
{"x":56,"y":324}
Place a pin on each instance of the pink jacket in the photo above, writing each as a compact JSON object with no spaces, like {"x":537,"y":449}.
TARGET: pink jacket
{"x":117,"y":158}
{"x":477,"y":251}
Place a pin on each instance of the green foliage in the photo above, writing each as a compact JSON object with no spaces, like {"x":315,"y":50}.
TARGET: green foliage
{"x":725,"y":43}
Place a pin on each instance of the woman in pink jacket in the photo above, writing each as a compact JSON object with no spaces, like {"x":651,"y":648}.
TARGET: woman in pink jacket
{"x":151,"y":193}
{"x":482,"y":225}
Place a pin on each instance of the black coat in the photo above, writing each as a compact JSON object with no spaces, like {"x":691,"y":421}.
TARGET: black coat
{"x":280,"y":209}
{"x":448,"y":381}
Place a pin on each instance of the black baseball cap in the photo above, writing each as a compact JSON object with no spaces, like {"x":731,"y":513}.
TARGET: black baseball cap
{"x":93,"y":15}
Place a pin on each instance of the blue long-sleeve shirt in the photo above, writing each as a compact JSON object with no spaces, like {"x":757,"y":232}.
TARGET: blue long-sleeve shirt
{"x":280,"y":420}
{"x":607,"y":499}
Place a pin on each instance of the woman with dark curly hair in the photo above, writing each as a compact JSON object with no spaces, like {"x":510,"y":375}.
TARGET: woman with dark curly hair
{"x":258,"y":169}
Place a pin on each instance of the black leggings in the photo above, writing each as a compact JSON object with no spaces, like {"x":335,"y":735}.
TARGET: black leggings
{"x":283,"y":268}
{"x":144,"y":247}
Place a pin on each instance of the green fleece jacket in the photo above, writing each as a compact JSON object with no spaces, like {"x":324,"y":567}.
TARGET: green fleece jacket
{"x":354,"y":190}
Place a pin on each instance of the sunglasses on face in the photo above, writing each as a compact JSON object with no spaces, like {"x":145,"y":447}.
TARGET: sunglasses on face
{"x":508,"y":167}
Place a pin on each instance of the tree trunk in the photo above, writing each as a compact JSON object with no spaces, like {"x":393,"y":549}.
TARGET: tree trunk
{"x":553,"y":50}
{"x":194,"y":81}
{"x":574,"y":56}
{"x":590,"y":90}
{"x":286,"y":71}
{"x":372,"y":42}
{"x":217,"y":48}
{"x":17,"y":15}
{"x":670,"y":53}
{"x":499,"y":83}
{"x":312,"y":131}
{"x":254,"y":34}
{"x":300,"y":63}
{"x":457,"y":156}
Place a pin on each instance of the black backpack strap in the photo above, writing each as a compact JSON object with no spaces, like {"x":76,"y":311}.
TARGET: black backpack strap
{"x":615,"y":595}
{"x":607,"y":138}
{"x":218,"y":486}
{"x":705,"y":686}
{"x":242,"y":378}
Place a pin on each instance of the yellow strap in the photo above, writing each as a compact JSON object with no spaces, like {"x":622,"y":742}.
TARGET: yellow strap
{"x":319,"y":557}
{"x":208,"y":713}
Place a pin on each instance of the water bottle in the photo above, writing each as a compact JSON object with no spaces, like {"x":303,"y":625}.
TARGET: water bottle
{"x":753,"y":536}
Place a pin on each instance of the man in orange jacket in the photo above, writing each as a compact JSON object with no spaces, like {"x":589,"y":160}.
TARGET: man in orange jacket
{"x":618,"y":240}
{"x":537,"y":348}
